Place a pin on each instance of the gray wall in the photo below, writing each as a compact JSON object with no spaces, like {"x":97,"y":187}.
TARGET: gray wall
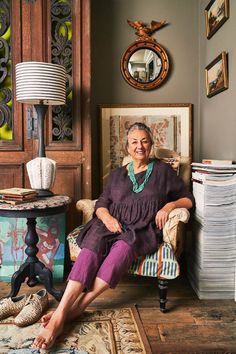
{"x":189,"y":52}
{"x":217,"y":114}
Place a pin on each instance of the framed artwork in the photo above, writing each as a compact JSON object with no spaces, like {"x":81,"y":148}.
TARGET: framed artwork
{"x":217,"y":75}
{"x":216,"y":13}
{"x":171,"y":126}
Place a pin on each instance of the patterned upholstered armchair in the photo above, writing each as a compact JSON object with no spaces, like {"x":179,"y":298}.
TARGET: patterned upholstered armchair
{"x":162,"y":264}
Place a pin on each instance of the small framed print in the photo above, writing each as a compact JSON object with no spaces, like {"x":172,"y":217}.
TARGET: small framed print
{"x":216,"y":13}
{"x":217,"y":75}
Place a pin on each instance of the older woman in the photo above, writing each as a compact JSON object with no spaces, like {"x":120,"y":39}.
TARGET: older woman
{"x":128,"y":222}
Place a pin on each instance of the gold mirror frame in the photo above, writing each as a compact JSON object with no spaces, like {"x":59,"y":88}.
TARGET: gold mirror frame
{"x":159,"y":51}
{"x":145,"y":42}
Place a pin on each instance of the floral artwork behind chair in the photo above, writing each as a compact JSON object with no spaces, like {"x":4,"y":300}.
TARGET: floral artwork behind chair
{"x":171,"y":125}
{"x":166,"y":130}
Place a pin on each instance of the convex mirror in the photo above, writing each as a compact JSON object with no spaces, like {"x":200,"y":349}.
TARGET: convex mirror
{"x":145,"y":64}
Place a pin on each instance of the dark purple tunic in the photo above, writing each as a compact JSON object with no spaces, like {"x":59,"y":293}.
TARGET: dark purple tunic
{"x":135,"y":211}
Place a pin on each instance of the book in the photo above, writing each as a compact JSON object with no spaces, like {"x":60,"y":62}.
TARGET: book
{"x":203,"y":167}
{"x":210,"y":166}
{"x":217,"y":162}
{"x":21,"y":192}
{"x":18,"y":197}
{"x":16,"y":202}
{"x":209,"y":178}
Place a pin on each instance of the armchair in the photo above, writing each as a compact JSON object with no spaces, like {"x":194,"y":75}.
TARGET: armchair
{"x":162,"y":264}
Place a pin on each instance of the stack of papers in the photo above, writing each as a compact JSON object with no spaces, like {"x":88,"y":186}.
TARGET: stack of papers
{"x":211,"y":246}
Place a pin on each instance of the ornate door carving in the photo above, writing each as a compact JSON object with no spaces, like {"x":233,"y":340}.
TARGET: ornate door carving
{"x":52,"y":31}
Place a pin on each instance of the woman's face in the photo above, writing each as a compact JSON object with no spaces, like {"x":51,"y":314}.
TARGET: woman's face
{"x":139,"y":145}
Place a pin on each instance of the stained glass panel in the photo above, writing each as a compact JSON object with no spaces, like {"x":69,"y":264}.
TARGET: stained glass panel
{"x":6,"y":132}
{"x":61,"y":49}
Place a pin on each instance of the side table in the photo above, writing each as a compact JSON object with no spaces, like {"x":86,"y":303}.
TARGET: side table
{"x":33,"y":267}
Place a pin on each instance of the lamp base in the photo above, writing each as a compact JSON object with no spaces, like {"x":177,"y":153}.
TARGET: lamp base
{"x":44,"y":193}
{"x":41,"y":172}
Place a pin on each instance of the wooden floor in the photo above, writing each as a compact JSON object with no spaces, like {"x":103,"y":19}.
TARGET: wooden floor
{"x":190,"y":325}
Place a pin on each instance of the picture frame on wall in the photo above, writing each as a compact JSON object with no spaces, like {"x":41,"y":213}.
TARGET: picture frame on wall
{"x":216,"y":13}
{"x":217,"y":75}
{"x":171,"y":126}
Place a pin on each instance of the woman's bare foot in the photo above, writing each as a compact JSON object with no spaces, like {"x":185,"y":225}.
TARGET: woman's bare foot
{"x":49,"y":334}
{"x":70,"y":316}
{"x":46,"y":318}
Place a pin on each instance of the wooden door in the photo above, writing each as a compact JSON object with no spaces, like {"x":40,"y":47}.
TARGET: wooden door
{"x":58,"y":32}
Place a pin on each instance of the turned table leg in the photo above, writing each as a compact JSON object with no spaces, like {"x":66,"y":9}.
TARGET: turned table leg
{"x":32,"y":268}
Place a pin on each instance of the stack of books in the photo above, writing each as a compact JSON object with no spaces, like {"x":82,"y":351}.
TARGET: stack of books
{"x":217,"y":162}
{"x":211,"y":247}
{"x":17,"y":195}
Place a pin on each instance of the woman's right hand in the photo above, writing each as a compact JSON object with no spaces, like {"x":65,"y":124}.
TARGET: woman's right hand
{"x":111,"y":223}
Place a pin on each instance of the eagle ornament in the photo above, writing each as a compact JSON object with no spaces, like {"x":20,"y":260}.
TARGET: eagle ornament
{"x":143,"y":31}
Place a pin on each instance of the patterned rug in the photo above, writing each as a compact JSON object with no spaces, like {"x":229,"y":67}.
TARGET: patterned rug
{"x":116,"y":331}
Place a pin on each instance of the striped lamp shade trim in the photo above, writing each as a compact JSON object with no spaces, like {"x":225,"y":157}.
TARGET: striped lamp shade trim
{"x":40,"y":83}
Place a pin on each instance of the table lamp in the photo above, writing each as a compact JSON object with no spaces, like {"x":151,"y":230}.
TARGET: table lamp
{"x":41,"y":84}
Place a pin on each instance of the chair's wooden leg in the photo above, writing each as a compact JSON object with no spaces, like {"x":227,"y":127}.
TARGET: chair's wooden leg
{"x":163,"y":287}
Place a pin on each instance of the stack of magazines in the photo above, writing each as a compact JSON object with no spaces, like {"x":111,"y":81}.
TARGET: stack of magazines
{"x":211,"y":247}
{"x":17,"y":195}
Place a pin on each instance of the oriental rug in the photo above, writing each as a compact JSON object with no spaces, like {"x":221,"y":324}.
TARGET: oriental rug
{"x":117,"y":331}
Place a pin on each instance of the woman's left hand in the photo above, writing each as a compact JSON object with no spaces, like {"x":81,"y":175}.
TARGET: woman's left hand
{"x":163,"y":214}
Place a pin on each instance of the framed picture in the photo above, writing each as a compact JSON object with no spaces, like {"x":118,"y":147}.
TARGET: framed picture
{"x":217,"y":75}
{"x":171,"y":125}
{"x":216,"y":13}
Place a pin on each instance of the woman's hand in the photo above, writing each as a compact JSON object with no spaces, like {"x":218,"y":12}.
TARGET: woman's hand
{"x":163,"y":214}
{"x":111,"y":223}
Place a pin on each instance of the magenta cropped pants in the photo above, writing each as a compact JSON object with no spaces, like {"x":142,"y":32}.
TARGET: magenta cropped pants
{"x":110,"y":269}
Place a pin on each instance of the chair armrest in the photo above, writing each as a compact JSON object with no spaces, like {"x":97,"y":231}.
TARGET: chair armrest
{"x":173,"y":229}
{"x":87,"y":208}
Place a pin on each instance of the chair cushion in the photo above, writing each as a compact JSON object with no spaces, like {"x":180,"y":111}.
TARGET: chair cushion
{"x":161,"y":264}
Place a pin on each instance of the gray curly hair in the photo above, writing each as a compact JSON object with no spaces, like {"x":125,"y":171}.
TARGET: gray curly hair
{"x":138,"y":126}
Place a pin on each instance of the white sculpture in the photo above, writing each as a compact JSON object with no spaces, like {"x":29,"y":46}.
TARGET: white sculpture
{"x":41,"y":171}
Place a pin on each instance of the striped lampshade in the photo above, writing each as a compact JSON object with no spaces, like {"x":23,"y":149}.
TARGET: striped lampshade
{"x":40,"y":83}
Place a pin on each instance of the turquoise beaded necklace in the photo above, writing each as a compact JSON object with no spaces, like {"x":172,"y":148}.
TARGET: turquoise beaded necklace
{"x":139,"y":188}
